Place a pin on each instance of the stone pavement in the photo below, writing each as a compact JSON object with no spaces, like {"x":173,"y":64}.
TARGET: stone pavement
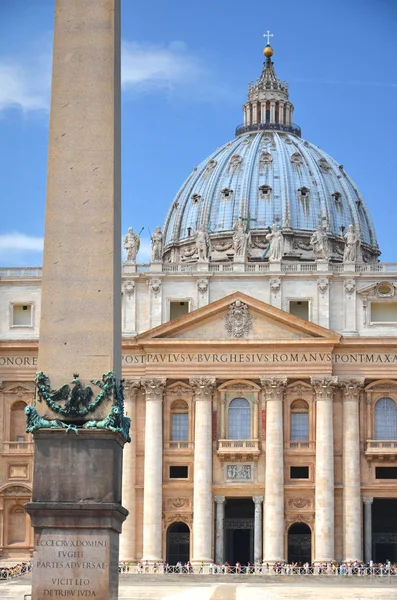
{"x":182,"y":587}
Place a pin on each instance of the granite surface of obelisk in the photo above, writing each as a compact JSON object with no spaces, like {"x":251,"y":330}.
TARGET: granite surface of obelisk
{"x":76,"y":508}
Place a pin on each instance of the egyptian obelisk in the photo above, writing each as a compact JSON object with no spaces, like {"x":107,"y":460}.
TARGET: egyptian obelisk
{"x":76,"y":507}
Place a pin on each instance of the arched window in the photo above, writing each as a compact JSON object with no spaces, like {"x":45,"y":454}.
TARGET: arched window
{"x":18,"y":422}
{"x":179,"y":421}
{"x":299,"y":421}
{"x":385,"y":419}
{"x":239,"y":419}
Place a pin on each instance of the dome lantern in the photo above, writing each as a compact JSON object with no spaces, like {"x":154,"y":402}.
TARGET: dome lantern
{"x":268,"y":106}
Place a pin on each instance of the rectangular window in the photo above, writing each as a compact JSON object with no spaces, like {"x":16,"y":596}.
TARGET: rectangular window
{"x":386,"y":472}
{"x":299,"y":472}
{"x":383,"y":312}
{"x":178,"y":309}
{"x":180,"y":427}
{"x":299,"y":426}
{"x":178,"y":472}
{"x":299,"y":308}
{"x":21,"y":315}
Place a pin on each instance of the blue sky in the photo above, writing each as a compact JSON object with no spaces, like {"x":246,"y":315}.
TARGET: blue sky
{"x":185,"y":70}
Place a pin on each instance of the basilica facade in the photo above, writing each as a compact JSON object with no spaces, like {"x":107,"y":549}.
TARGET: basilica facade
{"x":260,"y":363}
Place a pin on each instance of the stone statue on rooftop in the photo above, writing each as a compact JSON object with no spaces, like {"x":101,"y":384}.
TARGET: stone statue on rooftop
{"x":157,"y":244}
{"x":202,"y":243}
{"x":276,"y":243}
{"x":132,"y":243}
{"x":319,"y":241}
{"x":240,"y":239}
{"x":352,"y":245}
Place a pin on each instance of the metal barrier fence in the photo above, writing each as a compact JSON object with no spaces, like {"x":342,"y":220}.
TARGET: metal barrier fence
{"x":330,"y":570}
{"x":16,"y":571}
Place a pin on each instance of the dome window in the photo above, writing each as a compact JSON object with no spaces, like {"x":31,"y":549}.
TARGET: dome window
{"x":265,"y":159}
{"x":359,"y":203}
{"x":265,"y":191}
{"x":296,"y":159}
{"x":303,"y":193}
{"x":337,"y":196}
{"x":235,"y":162}
{"x":196,"y":198}
{"x":210,"y":167}
{"x":226,"y":194}
{"x":324,"y":165}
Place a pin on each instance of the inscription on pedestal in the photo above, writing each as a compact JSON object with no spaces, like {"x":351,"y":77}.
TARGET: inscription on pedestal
{"x":72,"y":565}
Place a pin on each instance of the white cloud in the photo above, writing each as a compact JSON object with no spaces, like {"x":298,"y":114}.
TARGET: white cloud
{"x":155,"y":68}
{"x":25,"y":83}
{"x":20,"y":241}
{"x":18,"y":249}
{"x":146,"y":68}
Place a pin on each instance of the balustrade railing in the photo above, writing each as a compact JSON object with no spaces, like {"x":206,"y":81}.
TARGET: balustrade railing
{"x":224,"y":267}
{"x":299,"y":445}
{"x":241,"y":445}
{"x":381,"y":445}
{"x":180,"y":445}
{"x":26,"y":447}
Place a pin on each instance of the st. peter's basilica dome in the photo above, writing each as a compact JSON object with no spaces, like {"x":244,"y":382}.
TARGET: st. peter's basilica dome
{"x":267,"y":175}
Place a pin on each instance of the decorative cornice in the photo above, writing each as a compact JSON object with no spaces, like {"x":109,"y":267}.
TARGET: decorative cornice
{"x":273,"y":387}
{"x":153,"y":388}
{"x":129,"y":288}
{"x":203,"y":387}
{"x":324,"y":387}
{"x":131,"y":387}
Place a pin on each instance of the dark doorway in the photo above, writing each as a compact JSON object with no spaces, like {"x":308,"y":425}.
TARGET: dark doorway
{"x":239,"y":531}
{"x":384,"y":530}
{"x":299,"y":543}
{"x":178,"y":543}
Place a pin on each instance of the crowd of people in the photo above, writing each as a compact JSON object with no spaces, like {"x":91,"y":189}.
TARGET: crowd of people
{"x":15,"y":571}
{"x":332,"y":568}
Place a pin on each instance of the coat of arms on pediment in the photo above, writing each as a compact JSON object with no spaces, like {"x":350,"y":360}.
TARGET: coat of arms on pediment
{"x":238,"y":321}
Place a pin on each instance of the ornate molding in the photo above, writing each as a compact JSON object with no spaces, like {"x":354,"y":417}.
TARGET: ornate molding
{"x":238,"y":321}
{"x":203,"y":387}
{"x":184,"y":518}
{"x":368,"y":499}
{"x":153,"y":388}
{"x":202,"y":285}
{"x":323,"y":285}
{"x":300,"y":503}
{"x":220,"y":499}
{"x":178,"y":502}
{"x":273,"y":387}
{"x":352,"y":388}
{"x":350,"y":286}
{"x":179,"y":389}
{"x":275,"y":285}
{"x":129,"y":288}
{"x":257,"y":499}
{"x":155,"y":286}
{"x":324,"y":387}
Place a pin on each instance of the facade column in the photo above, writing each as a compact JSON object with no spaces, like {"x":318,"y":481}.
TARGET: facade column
{"x":272,"y":111}
{"x":248,"y":114}
{"x":202,"y":481}
{"x":281,"y":113}
{"x":352,"y":520}
{"x":368,"y":528}
{"x":258,"y":501}
{"x":254,"y":112}
{"x":274,"y":476}
{"x":153,"y":470}
{"x":128,"y":536}
{"x":263,"y":112}
{"x":324,"y":495}
{"x":219,"y":535}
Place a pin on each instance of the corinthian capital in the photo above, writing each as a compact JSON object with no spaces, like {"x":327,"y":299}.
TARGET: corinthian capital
{"x":131,"y":386}
{"x":352,"y":388}
{"x":203,"y":387}
{"x":324,"y":387}
{"x":154,"y":388}
{"x":273,"y":387}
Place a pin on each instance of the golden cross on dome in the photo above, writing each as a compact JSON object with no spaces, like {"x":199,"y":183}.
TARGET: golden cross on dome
{"x":268,"y":35}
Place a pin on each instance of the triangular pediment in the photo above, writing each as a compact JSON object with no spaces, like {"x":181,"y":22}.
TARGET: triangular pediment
{"x":238,"y":317}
